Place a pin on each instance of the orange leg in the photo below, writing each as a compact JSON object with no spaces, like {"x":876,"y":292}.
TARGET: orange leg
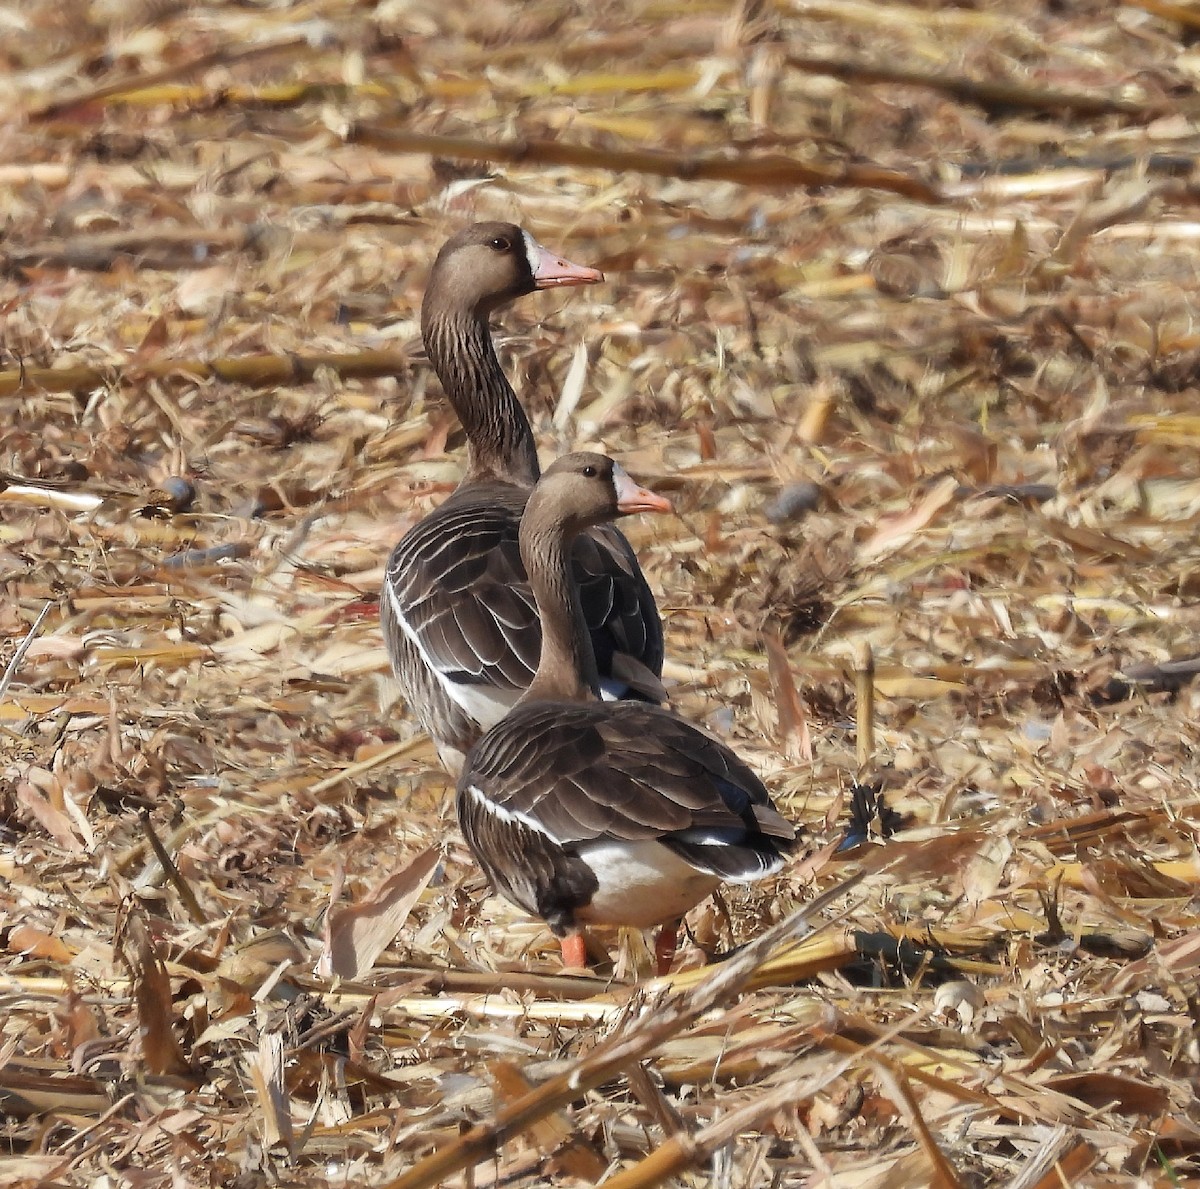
{"x":664,"y":946}
{"x":574,"y":951}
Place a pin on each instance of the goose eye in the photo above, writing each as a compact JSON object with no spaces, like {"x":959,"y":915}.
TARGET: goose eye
{"x":500,"y":244}
{"x":589,"y":472}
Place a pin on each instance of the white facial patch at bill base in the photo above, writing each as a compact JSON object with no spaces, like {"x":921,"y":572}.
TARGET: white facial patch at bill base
{"x":533,"y":253}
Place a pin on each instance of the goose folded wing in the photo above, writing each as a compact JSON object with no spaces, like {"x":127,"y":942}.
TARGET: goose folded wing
{"x":630,"y":772}
{"x":460,"y":591}
{"x":618,"y":604}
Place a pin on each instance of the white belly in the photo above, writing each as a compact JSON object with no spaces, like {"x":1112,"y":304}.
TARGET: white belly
{"x":641,"y":884}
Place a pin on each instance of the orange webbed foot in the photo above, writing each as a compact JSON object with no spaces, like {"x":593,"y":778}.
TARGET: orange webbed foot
{"x":574,"y":952}
{"x":665,"y":944}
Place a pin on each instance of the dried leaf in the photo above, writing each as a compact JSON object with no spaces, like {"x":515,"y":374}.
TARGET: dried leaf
{"x":25,"y":939}
{"x":152,"y":992}
{"x":899,"y":530}
{"x":357,"y":934}
{"x":267,"y":1077}
{"x":54,"y":821}
{"x":572,"y":388}
{"x":793,"y":722}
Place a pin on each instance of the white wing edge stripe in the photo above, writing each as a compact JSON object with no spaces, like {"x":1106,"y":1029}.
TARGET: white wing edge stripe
{"x":508,"y":816}
{"x":485,"y":710}
{"x":775,"y":865}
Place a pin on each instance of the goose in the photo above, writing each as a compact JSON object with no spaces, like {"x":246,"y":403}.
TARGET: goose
{"x":582,"y":811}
{"x":458,"y":618}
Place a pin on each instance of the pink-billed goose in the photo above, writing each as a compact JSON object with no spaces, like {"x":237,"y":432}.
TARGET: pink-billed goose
{"x":589,"y":812}
{"x":458,"y":617}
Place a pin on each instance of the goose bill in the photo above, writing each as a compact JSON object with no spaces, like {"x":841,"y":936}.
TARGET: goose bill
{"x":632,"y":498}
{"x":551,"y":271}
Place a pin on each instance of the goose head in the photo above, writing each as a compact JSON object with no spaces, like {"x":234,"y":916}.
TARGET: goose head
{"x":585,"y":489}
{"x":487,"y":265}
{"x":576,"y":493}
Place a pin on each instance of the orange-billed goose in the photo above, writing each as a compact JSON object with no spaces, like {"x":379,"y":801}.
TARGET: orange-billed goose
{"x":458,"y":617}
{"x":590,"y":812}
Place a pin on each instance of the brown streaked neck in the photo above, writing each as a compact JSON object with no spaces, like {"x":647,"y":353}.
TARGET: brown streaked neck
{"x":566,"y":670}
{"x":499,"y":440}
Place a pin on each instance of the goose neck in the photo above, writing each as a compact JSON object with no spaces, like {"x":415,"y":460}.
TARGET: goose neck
{"x":499,"y":438}
{"x":567,"y":668}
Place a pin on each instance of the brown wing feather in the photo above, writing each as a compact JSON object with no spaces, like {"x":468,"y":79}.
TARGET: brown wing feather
{"x":628,"y":772}
{"x":457,"y":582}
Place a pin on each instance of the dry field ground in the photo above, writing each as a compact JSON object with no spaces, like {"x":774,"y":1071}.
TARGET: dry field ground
{"x":901,"y":311}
